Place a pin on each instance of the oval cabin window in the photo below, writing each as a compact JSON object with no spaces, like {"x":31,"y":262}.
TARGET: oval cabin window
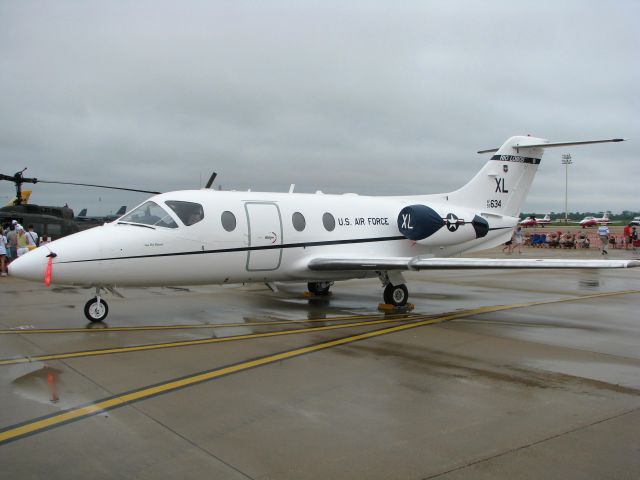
{"x":299,"y":223}
{"x":228,"y":220}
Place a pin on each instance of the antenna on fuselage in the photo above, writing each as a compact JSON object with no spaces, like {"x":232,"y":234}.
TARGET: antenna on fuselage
{"x":211,"y":179}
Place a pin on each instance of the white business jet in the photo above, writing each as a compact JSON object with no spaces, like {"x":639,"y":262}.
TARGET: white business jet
{"x":217,"y":237}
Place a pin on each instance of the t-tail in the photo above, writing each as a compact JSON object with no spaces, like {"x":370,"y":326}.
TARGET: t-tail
{"x":501,"y":186}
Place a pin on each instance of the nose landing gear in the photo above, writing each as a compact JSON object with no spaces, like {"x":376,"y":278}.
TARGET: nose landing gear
{"x":96,"y":309}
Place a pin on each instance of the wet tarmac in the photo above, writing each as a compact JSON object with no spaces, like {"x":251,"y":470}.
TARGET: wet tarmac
{"x":512,"y":374}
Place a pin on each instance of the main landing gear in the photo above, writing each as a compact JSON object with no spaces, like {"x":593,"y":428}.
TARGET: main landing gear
{"x":396,"y":295}
{"x":395,"y":290}
{"x":96,"y":309}
{"x":320,"y":289}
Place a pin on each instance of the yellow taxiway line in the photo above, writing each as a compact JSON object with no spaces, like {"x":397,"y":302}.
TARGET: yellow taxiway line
{"x":143,"y":328}
{"x":17,"y":431}
{"x":365,"y":321}
{"x":203,"y":341}
{"x":30,"y":427}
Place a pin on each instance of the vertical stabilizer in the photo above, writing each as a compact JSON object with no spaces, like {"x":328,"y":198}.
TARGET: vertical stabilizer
{"x":503,"y":183}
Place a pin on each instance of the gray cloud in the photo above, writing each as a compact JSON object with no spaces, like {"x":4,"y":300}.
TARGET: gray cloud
{"x":372,"y":97}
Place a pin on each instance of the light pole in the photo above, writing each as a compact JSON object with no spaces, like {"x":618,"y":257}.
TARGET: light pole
{"x":566,"y":161}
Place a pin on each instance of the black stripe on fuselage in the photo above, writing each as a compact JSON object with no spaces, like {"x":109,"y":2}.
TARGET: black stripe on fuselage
{"x":247,"y":249}
{"x":516,"y":159}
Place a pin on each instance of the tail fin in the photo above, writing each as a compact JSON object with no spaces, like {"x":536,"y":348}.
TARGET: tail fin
{"x":547,"y":216}
{"x":501,"y":186}
{"x":24,"y":196}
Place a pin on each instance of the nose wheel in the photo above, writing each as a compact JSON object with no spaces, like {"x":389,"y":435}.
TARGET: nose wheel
{"x":96,"y":309}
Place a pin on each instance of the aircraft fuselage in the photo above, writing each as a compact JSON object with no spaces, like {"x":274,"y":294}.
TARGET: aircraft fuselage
{"x":272,"y":238}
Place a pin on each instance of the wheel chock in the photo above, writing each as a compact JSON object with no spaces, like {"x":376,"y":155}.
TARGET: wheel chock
{"x":389,"y":308}
{"x":313,"y":295}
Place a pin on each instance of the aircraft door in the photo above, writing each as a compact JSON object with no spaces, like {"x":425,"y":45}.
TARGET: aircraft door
{"x":265,"y":234}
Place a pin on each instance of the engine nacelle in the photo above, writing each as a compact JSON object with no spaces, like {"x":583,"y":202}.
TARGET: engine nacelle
{"x":440,"y":225}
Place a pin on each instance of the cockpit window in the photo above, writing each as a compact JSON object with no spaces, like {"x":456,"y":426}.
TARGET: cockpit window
{"x":150,"y":213}
{"x":188,"y":212}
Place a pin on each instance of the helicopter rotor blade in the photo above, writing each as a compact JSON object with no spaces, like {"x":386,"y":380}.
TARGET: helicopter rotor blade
{"x":211,"y":179}
{"x":100,"y":186}
{"x":18,"y":178}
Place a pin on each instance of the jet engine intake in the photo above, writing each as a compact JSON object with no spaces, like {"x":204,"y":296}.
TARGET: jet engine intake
{"x":417,"y":222}
{"x":424,"y":225}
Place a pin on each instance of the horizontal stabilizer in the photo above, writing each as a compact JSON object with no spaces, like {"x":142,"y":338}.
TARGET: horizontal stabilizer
{"x":417,"y":263}
{"x":556,"y":144}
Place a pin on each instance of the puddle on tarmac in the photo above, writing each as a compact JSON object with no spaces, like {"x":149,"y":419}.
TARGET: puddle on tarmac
{"x":43,"y":384}
{"x":616,"y":375}
{"x":591,"y":280}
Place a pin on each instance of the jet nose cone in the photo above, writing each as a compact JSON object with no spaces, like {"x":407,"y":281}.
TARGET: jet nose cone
{"x":31,"y":265}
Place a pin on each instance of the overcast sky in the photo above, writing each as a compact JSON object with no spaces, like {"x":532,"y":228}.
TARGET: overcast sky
{"x":369,"y":97}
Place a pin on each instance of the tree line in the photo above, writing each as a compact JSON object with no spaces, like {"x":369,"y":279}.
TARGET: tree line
{"x":625,"y":215}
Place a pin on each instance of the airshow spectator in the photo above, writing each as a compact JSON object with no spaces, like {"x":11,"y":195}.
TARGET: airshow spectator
{"x":32,"y":238}
{"x":518,"y":238}
{"x":568,"y":240}
{"x":627,"y":236}
{"x":23,"y":245}
{"x":3,"y":254}
{"x":12,"y":241}
{"x":603,"y":233}
{"x":583,"y":240}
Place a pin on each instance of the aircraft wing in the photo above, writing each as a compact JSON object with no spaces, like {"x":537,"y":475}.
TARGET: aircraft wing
{"x":417,"y":263}
{"x":345,"y":264}
{"x":500,"y":263}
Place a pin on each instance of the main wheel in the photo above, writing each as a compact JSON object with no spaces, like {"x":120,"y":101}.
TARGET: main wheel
{"x":396,"y":295}
{"x":96,"y":311}
{"x":319,"y":288}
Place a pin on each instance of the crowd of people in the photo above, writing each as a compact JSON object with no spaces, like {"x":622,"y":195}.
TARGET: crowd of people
{"x":629,"y":240}
{"x":15,"y":241}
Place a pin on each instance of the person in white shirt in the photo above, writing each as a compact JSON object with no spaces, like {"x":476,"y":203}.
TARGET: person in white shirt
{"x":3,"y":254}
{"x":32,"y":238}
{"x":603,"y":233}
{"x":518,"y":237}
{"x":23,"y":244}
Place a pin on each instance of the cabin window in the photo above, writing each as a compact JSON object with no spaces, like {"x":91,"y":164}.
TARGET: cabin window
{"x":149,"y":213}
{"x":299,"y":223}
{"x":188,"y":212}
{"x":228,"y":220}
{"x":329,"y":222}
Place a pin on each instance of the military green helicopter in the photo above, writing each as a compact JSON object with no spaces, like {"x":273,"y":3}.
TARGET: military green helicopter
{"x":49,"y":221}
